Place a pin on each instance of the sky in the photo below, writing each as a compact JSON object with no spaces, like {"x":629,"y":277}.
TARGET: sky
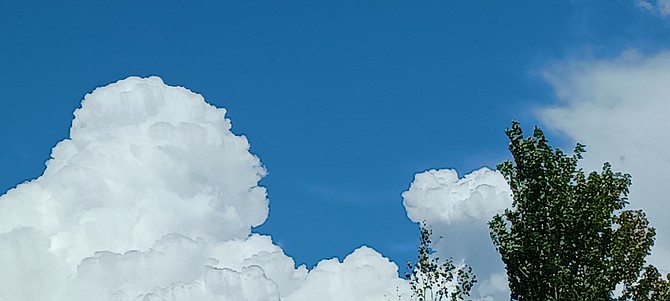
{"x":343,"y":107}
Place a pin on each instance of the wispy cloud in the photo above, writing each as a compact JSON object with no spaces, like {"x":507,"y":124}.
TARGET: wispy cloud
{"x":660,"y":6}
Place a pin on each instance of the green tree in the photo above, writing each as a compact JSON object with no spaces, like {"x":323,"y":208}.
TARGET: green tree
{"x":431,"y":280}
{"x":650,"y":287}
{"x":567,"y":236}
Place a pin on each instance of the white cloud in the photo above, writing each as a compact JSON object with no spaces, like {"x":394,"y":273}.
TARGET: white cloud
{"x":363,"y":272}
{"x":439,"y":196}
{"x":619,"y":108}
{"x":494,"y":285}
{"x":176,"y":265}
{"x":143,"y":160}
{"x":152,"y":198}
{"x":458,"y":209}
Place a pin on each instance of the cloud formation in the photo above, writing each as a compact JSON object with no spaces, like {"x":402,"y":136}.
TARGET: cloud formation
{"x":439,"y":196}
{"x":458,"y":210}
{"x":618,"y":108}
{"x":152,"y":197}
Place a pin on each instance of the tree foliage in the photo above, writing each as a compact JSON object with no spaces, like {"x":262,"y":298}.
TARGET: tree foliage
{"x":431,"y":280}
{"x":567,"y":236}
{"x":650,"y":287}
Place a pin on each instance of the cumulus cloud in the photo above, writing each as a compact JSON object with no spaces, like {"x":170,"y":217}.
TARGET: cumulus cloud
{"x":439,"y":196}
{"x":458,"y":209}
{"x":363,"y":272}
{"x":619,"y":108}
{"x":153,"y":197}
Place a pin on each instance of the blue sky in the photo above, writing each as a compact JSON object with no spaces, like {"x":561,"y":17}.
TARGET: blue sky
{"x":343,"y":101}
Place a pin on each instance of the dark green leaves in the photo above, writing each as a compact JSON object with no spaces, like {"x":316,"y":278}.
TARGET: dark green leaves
{"x":650,"y":287}
{"x":566,"y":236}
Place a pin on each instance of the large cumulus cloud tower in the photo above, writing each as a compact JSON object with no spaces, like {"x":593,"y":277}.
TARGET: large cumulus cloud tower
{"x":153,"y":197}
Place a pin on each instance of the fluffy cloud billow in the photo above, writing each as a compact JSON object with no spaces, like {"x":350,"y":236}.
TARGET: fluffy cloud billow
{"x":153,"y":197}
{"x":440,"y":196}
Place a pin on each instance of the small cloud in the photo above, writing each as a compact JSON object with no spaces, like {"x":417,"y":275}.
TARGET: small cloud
{"x":440,"y":196}
{"x":660,"y":6}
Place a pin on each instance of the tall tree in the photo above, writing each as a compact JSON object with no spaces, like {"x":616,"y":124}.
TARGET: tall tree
{"x":567,"y":236}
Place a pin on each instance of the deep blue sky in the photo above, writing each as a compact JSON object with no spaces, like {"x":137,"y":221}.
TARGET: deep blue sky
{"x":344,"y":101}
